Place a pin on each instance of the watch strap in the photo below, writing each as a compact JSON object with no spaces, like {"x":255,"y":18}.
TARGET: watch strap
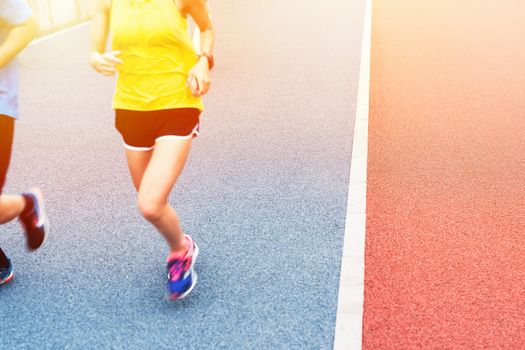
{"x":209,"y":58}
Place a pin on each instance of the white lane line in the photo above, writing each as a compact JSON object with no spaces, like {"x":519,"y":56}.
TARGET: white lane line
{"x":349,"y":323}
{"x":50,"y":36}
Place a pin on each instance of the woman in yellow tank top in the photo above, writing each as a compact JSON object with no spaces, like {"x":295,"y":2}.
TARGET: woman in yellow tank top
{"x":157,"y":105}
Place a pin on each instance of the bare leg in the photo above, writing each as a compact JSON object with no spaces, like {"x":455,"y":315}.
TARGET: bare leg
{"x":10,"y":207}
{"x":137,"y":163}
{"x":155,"y":178}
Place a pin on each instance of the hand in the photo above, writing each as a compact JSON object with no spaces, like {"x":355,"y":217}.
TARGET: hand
{"x":105,"y":63}
{"x":199,"y":79}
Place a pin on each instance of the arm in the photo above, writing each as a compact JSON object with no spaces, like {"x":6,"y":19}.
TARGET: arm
{"x":100,"y":25}
{"x":103,"y":62}
{"x":198,"y":10}
{"x":18,"y":38}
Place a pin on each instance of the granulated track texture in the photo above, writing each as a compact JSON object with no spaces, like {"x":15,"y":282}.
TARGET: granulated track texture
{"x":445,"y":266}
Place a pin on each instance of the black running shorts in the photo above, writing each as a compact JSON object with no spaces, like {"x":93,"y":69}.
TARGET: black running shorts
{"x":7,"y":129}
{"x":141,"y":129}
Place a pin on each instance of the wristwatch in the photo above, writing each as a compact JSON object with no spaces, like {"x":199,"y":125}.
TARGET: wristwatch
{"x":209,"y":58}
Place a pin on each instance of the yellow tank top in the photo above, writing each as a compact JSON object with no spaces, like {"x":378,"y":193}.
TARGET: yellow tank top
{"x":157,"y":53}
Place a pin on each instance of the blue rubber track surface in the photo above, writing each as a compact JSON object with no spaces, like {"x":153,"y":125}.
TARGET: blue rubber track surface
{"x":263,"y":194}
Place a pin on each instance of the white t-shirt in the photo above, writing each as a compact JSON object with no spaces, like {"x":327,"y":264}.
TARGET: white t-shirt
{"x":12,"y":13}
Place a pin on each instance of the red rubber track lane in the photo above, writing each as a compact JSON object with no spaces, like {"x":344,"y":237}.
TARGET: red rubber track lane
{"x":445,"y":246}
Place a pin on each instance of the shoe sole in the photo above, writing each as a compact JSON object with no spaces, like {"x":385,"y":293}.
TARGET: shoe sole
{"x":193,"y":278}
{"x":8,"y":279}
{"x":41,"y":212}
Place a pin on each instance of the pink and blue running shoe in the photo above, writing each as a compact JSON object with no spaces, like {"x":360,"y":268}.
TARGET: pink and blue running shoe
{"x":181,"y":275}
{"x":6,"y":273}
{"x":35,"y":221}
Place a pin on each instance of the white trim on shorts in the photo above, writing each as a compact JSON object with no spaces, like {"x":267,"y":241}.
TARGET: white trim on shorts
{"x":194,"y":133}
{"x":137,"y":149}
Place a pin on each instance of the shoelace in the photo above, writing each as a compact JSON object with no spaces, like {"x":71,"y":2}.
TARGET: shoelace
{"x":29,"y":223}
{"x":178,"y":267}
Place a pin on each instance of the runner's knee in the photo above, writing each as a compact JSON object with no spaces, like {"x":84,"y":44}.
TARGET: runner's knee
{"x":151,"y":209}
